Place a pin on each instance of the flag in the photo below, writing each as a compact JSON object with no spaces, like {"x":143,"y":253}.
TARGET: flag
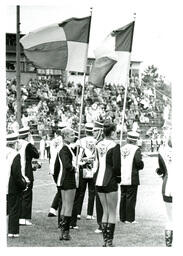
{"x":59,"y":46}
{"x":100,"y":69}
{"x":116,"y":46}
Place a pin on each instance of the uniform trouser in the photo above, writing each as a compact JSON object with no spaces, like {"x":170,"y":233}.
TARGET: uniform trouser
{"x":48,"y":152}
{"x":99,"y":209}
{"x":91,"y":195}
{"x":128,"y":202}
{"x":13,"y":212}
{"x":26,"y":204}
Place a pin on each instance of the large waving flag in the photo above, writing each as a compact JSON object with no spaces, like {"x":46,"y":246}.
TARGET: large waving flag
{"x":59,"y":46}
{"x":117,"y":47}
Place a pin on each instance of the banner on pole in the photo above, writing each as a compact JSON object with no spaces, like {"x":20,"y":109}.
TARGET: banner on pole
{"x":59,"y":46}
{"x":117,"y":46}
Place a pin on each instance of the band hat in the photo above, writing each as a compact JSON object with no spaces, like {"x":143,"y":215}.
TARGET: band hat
{"x":24,"y":131}
{"x":82,"y":133}
{"x":62,"y":125}
{"x":132,"y":135}
{"x":98,"y":125}
{"x":12,"y":138}
{"x":89,"y":127}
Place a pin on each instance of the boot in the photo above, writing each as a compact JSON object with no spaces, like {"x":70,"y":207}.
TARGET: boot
{"x":168,"y":237}
{"x":60,"y":220}
{"x":110,"y":234}
{"x":104,"y":232}
{"x":59,"y":217}
{"x":66,"y":235}
{"x":61,"y":226}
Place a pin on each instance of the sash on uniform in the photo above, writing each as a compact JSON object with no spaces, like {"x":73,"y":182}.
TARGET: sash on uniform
{"x":55,"y":147}
{"x":88,"y":149}
{"x":23,"y":144}
{"x":127,"y":155}
{"x":74,"y":164}
{"x":102,"y":148}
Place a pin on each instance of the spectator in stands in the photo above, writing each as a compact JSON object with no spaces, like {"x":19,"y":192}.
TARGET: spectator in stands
{"x":153,"y":142}
{"x":42,"y":148}
{"x":25,"y":119}
{"x":47,"y":147}
{"x":14,"y":125}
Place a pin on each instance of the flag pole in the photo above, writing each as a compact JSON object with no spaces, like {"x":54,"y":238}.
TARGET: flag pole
{"x":18,"y":90}
{"x":125,"y":96}
{"x":124,"y":103}
{"x":82,"y":103}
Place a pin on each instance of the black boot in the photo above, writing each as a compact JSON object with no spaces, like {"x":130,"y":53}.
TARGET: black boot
{"x":110,"y":234}
{"x":61,"y":226}
{"x":66,"y":235}
{"x":60,"y":220}
{"x":168,"y":237}
{"x":104,"y":232}
{"x":59,"y":217}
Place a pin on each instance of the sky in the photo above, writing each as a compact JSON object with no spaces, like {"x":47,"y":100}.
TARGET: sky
{"x":152,"y":37}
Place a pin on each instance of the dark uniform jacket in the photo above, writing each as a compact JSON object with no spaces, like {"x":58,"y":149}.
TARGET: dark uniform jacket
{"x":63,"y":168}
{"x":30,"y":153}
{"x":165,"y":169}
{"x":16,"y":182}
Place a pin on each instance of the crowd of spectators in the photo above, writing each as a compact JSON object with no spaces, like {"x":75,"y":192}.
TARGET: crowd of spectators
{"x":47,"y":101}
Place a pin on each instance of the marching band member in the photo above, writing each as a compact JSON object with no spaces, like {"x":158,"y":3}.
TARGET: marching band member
{"x":131,"y":159}
{"x":55,"y":145}
{"x":27,"y":152}
{"x":16,"y":184}
{"x":65,"y":178}
{"x":165,"y":171}
{"x":108,"y":176}
{"x":98,"y":135}
{"x":87,"y":154}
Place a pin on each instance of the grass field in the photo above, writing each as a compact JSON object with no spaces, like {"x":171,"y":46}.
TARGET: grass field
{"x":150,"y":214}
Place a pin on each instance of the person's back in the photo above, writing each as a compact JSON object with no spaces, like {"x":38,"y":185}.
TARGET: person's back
{"x":131,"y":160}
{"x":108,"y":176}
{"x":27,"y":151}
{"x":16,"y":183}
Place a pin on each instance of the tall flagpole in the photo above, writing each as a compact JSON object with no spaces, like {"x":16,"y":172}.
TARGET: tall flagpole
{"x":82,"y":103}
{"x":125,"y":96}
{"x":18,"y":90}
{"x":124,"y":103}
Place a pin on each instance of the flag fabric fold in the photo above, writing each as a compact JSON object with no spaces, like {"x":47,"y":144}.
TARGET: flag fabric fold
{"x":59,"y":46}
{"x":116,"y":46}
{"x":100,"y":69}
